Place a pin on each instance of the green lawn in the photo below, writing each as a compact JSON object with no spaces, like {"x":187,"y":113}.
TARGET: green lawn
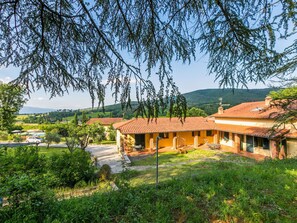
{"x":51,"y":150}
{"x":191,"y":156}
{"x":46,"y":151}
{"x":201,"y":186}
{"x":263,"y":192}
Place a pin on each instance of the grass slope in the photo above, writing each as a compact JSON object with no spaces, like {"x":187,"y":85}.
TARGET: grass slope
{"x":201,"y":186}
{"x":264,"y":192}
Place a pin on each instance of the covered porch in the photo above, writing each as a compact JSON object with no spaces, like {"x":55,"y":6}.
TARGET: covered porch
{"x":168,"y":140}
{"x":252,"y":140}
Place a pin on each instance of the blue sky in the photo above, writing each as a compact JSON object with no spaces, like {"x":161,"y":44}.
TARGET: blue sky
{"x":188,"y":77}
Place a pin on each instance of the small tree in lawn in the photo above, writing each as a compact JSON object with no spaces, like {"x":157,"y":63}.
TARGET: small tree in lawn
{"x":80,"y":135}
{"x":52,"y":136}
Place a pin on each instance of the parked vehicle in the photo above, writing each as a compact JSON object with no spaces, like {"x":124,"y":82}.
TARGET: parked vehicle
{"x":34,"y":139}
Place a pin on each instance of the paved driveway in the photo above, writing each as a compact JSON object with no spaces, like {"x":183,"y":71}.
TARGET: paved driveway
{"x":107,"y":154}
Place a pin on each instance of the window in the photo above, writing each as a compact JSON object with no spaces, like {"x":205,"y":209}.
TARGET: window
{"x":265,"y":143}
{"x":258,"y":142}
{"x":226,"y":136}
{"x":209,"y":133}
{"x":164,"y":135}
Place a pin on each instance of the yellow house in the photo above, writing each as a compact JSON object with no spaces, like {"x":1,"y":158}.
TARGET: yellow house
{"x":141,"y":133}
{"x":245,"y":127}
{"x":248,"y":127}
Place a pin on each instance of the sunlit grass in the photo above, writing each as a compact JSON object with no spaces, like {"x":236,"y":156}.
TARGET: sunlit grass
{"x":191,"y":156}
{"x":51,"y":150}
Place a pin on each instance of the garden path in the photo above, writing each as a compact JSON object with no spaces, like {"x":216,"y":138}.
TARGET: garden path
{"x":107,"y":154}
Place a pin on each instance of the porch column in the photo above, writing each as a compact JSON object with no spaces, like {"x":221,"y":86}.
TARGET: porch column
{"x":216,"y":138}
{"x":151,"y":143}
{"x":174,"y":143}
{"x":237,"y":143}
{"x":274,"y":149}
{"x":196,"y":144}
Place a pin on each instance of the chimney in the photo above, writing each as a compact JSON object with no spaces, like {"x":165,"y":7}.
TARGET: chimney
{"x":267,"y":100}
{"x":220,"y":110}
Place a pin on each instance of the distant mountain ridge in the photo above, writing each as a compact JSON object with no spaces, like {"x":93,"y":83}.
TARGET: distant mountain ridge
{"x":229,"y":96}
{"x":35,"y":110}
{"x":206,"y":99}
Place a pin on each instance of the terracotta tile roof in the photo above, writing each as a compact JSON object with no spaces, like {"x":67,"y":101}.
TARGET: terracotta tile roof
{"x":250,"y":110}
{"x":291,"y":135}
{"x":119,"y":124}
{"x":141,"y":125}
{"x":251,"y":130}
{"x":104,"y":121}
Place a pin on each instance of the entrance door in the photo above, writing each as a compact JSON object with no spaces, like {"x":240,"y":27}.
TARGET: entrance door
{"x":250,"y":144}
{"x":140,"y":139}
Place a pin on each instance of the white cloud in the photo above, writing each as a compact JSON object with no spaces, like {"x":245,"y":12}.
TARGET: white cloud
{"x":6,"y":79}
{"x":38,"y":98}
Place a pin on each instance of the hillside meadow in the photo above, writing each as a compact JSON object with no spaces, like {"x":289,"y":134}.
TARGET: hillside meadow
{"x":229,"y":189}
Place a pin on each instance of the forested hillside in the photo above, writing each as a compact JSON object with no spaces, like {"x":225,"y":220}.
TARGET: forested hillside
{"x":207,"y":99}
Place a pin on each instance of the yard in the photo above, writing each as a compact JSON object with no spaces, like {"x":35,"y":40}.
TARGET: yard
{"x":173,"y":165}
{"x":200,"y":186}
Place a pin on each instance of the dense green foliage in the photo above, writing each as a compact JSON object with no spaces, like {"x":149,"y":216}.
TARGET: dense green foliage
{"x":285,"y":99}
{"x":263,"y":192}
{"x":27,"y":177}
{"x":72,"y":168}
{"x":65,"y":168}
{"x":208,"y":99}
{"x":196,"y":112}
{"x":11,"y":101}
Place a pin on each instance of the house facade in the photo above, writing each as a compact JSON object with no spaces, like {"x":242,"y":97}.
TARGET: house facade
{"x":246,"y":127}
{"x":143,"y":133}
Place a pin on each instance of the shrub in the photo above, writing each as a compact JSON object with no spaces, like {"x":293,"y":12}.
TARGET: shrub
{"x":105,"y":173}
{"x":29,"y":200}
{"x":17,"y":138}
{"x":3,"y":135}
{"x":24,"y":159}
{"x":70,"y":168}
{"x":80,"y":184}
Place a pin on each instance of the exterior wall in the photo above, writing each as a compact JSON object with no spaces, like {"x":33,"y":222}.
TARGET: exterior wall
{"x":236,"y":145}
{"x":183,"y":138}
{"x":118,"y":139}
{"x":246,"y":122}
{"x":291,"y":148}
{"x":261,"y":151}
{"x":224,"y":142}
